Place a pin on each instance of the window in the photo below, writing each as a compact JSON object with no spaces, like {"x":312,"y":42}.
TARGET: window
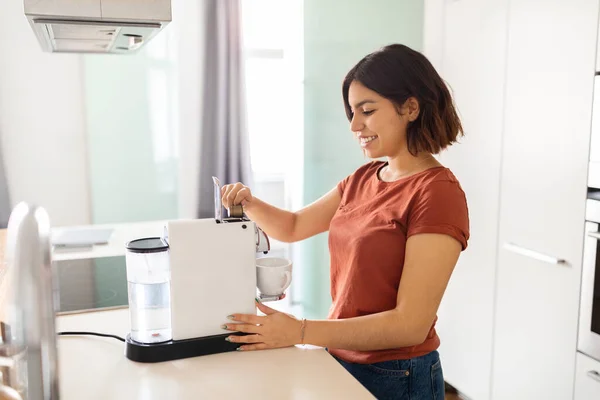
{"x":272,"y":34}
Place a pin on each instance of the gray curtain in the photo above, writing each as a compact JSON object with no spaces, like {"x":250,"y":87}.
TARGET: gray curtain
{"x":5,"y":207}
{"x":224,"y":144}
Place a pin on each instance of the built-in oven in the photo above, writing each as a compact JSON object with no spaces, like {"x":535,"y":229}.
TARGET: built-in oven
{"x":589,"y":309}
{"x":589,"y":313}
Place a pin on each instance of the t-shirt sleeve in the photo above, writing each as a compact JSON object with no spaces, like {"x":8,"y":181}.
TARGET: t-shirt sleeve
{"x":341,"y":186}
{"x":441,"y":208}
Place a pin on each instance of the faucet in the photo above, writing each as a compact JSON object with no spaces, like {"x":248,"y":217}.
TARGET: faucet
{"x":28,"y":353}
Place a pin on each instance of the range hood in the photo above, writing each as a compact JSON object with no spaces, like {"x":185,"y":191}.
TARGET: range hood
{"x":96,"y":26}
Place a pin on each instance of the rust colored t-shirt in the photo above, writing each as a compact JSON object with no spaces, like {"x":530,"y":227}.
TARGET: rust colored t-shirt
{"x":367,"y":241}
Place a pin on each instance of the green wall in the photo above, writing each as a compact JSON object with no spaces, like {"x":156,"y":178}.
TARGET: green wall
{"x":337,"y":34}
{"x":127,"y":183}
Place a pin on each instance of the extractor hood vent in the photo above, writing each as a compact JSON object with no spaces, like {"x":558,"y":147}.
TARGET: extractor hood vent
{"x":96,"y":26}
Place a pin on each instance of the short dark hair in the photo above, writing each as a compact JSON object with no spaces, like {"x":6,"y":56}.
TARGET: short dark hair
{"x":398,"y":72}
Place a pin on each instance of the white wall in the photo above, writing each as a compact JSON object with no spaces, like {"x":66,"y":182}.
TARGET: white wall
{"x":470,"y":35}
{"x":42,"y":125}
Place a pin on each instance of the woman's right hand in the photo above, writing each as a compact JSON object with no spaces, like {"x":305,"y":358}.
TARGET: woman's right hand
{"x":234,"y":194}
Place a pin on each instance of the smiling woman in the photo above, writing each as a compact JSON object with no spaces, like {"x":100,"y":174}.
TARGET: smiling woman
{"x":374,"y":85}
{"x":396,"y":230}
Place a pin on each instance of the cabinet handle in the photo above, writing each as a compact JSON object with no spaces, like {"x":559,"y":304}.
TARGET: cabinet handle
{"x":595,"y":235}
{"x":534,"y":254}
{"x":594,"y":375}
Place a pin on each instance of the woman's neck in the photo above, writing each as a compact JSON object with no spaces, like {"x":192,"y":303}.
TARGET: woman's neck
{"x":407,"y":164}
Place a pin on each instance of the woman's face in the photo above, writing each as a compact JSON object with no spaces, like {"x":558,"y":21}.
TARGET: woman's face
{"x":378,"y":124}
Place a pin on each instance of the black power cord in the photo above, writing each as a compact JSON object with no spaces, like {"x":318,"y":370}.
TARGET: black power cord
{"x":77,"y":333}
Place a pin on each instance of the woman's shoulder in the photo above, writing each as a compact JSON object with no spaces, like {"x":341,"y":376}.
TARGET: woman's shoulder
{"x":437,"y":182}
{"x":442,"y":184}
{"x":438,"y":176}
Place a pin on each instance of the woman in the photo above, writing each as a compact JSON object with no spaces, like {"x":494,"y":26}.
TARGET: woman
{"x":396,"y":230}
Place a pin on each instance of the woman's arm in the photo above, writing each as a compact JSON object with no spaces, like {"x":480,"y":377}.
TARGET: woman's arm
{"x":429,"y":262}
{"x":283,"y":225}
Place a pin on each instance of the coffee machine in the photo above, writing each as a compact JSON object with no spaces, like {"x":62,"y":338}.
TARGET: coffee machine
{"x":212,"y":275}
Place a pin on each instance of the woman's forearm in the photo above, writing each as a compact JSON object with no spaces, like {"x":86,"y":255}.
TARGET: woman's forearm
{"x":384,"y":330}
{"x":275,"y":222}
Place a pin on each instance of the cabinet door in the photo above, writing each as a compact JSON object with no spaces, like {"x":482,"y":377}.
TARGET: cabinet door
{"x":594,"y":168}
{"x":549,"y":85}
{"x":587,"y":378}
{"x":473,"y":64}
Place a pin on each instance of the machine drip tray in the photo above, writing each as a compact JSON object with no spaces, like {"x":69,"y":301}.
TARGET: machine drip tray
{"x":177,"y":349}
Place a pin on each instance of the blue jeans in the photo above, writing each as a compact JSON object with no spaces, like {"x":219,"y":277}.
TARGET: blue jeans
{"x":419,"y":378}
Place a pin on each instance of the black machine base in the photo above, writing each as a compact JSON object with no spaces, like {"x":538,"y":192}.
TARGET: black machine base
{"x":177,"y":349}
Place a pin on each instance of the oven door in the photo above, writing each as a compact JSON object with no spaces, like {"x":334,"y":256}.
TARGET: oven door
{"x":589,"y":317}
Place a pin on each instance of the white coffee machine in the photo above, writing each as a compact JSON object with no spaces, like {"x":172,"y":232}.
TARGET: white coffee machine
{"x":212,"y":275}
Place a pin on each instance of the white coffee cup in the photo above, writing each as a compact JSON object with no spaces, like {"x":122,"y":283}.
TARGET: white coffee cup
{"x":273,"y":275}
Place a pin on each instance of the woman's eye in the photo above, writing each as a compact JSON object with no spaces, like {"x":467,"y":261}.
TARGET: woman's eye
{"x":368,"y":112}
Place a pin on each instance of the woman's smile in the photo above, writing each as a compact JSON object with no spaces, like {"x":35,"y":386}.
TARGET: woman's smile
{"x":366,"y":141}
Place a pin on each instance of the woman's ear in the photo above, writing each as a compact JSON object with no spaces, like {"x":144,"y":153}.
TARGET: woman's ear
{"x":411,"y":105}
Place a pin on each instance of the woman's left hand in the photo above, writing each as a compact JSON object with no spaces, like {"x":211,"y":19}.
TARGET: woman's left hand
{"x":272,"y":331}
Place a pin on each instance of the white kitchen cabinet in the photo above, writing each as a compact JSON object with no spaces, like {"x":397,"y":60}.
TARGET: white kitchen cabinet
{"x":523,"y":85}
{"x":594,"y":168}
{"x":466,"y":41}
{"x":587,"y":378}
{"x":595,"y":141}
{"x":598,"y":51}
{"x":547,"y":118}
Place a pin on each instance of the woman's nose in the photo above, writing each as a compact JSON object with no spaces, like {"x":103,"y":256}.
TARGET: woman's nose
{"x":356,"y":125}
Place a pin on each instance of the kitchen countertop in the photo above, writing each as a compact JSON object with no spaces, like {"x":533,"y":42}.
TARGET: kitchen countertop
{"x":96,"y":368}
